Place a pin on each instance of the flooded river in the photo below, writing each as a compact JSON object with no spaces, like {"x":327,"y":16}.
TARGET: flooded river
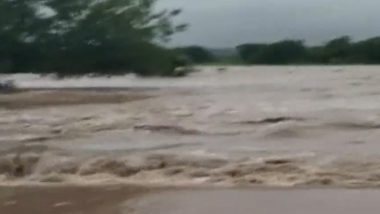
{"x":239,"y":126}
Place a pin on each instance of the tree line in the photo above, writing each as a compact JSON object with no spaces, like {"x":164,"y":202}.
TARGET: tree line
{"x":341,"y":50}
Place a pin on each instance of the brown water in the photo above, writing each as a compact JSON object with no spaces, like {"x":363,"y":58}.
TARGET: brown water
{"x":272,"y":126}
{"x":260,"y":202}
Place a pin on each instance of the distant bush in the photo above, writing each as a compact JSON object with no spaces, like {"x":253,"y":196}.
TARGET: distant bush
{"x":196,"y":54}
{"x":251,"y":53}
{"x":283,"y":52}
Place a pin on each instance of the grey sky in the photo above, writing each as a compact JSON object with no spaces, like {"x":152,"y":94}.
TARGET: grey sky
{"x":226,"y":23}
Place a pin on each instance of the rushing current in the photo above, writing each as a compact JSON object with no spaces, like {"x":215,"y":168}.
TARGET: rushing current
{"x":230,"y":126}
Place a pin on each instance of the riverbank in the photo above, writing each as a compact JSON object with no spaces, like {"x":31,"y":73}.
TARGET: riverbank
{"x":116,"y":199}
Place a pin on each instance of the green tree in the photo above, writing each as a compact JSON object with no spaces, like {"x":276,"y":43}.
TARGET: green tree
{"x":19,"y":25}
{"x":338,"y":50}
{"x":86,"y":36}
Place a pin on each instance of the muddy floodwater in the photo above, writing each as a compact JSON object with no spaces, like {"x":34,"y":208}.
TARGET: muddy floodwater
{"x":240,"y":201}
{"x":239,"y":126}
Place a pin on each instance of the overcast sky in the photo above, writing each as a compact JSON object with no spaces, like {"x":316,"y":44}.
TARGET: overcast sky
{"x":227,"y":23}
